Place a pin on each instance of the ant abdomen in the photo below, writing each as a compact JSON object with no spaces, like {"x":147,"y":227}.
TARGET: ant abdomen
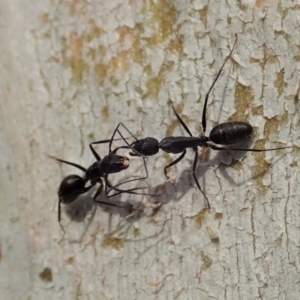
{"x":70,"y":188}
{"x":230,"y":132}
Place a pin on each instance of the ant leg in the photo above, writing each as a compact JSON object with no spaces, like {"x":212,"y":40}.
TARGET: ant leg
{"x":113,"y":139}
{"x":113,"y":204}
{"x":117,"y":130}
{"x":122,"y":124}
{"x":119,"y":191}
{"x":214,"y":147}
{"x":96,"y":155}
{"x":59,"y":211}
{"x":181,"y":121}
{"x":140,"y":178}
{"x":99,"y":191}
{"x":103,"y":142}
{"x":129,"y":191}
{"x":195,"y":177}
{"x":131,"y":180}
{"x":121,"y":147}
{"x":59,"y":216}
{"x":68,"y":163}
{"x":128,"y":145}
{"x":174,"y":162}
{"x":212,"y":85}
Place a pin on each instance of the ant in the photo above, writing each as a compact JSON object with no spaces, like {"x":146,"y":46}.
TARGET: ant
{"x":72,"y":186}
{"x":223,"y":134}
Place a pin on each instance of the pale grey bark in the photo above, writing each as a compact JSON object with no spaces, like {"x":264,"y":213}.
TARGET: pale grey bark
{"x":70,"y":71}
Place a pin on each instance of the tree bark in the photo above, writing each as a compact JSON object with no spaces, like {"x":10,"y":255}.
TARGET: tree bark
{"x":71,"y":71}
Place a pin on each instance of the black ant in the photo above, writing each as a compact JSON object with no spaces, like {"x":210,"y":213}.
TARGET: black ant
{"x":223,"y":134}
{"x":72,"y":186}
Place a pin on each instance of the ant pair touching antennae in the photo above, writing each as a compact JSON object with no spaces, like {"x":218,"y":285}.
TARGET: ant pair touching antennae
{"x":72,"y":186}
{"x":224,"y":134}
{"x":227,"y":133}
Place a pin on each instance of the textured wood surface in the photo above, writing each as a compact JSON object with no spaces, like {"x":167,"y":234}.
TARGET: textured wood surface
{"x":71,"y":70}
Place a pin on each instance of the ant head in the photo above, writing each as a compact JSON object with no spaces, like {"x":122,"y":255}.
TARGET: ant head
{"x":146,"y":147}
{"x":111,"y":163}
{"x":70,"y":188}
{"x":118,"y":163}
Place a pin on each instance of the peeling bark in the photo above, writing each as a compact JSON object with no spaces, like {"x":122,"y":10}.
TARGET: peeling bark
{"x":71,"y":71}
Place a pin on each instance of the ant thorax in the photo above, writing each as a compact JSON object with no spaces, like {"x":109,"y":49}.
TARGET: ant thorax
{"x":95,"y":171}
